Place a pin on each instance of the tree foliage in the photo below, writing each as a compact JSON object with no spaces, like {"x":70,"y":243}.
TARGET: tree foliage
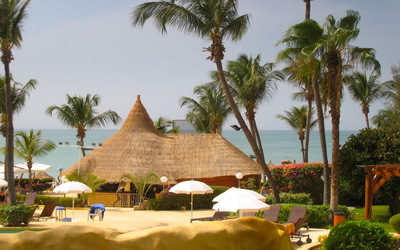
{"x":369,"y":147}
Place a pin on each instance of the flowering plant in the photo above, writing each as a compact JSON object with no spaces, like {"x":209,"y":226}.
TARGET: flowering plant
{"x":300,"y":178}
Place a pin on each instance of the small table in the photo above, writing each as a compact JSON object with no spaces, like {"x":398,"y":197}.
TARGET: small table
{"x":61,"y":213}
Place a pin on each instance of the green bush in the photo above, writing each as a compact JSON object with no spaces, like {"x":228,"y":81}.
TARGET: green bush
{"x":67,"y":202}
{"x":369,"y":147}
{"x":318,"y":216}
{"x":300,"y":198}
{"x":14,"y":216}
{"x":395,"y":222}
{"x":358,"y":234}
{"x":171,"y":201}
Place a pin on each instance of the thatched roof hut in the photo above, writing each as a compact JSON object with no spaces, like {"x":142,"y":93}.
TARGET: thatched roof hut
{"x":138,"y":148}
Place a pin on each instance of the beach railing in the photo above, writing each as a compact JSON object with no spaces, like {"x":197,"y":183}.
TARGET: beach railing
{"x":113,"y":199}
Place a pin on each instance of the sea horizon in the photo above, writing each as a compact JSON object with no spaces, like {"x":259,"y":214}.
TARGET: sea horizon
{"x":278,"y":145}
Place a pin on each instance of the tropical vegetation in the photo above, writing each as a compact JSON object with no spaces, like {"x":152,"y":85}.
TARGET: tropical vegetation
{"x":12,"y":16}
{"x":31,"y":145}
{"x":297,"y":119}
{"x":210,"y":111}
{"x":80,"y":113}
{"x":214,"y":21}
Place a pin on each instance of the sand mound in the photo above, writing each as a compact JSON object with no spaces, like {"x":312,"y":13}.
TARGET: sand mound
{"x":243,"y":233}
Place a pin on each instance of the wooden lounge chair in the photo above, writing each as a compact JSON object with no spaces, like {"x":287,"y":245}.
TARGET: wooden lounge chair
{"x":47,"y":212}
{"x":218,"y":215}
{"x":272,"y":213}
{"x":30,"y":198}
{"x":297,"y":217}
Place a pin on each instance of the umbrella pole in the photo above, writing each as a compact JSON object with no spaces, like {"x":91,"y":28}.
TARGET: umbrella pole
{"x":73,"y":209}
{"x":191,"y":207}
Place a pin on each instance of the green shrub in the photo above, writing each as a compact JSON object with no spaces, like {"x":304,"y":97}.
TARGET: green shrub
{"x":318,"y":216}
{"x":395,"y":222}
{"x":67,"y":202}
{"x":300,"y":198}
{"x":369,"y":147}
{"x":358,"y":234}
{"x":171,"y":201}
{"x":15,"y":215}
{"x":45,"y":199}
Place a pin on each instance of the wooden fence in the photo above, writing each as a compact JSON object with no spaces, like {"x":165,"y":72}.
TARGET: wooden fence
{"x":114,"y":199}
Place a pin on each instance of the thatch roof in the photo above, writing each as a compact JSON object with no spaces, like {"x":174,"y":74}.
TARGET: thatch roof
{"x":138,"y":148}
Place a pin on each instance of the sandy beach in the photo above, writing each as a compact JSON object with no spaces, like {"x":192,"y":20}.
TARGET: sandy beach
{"x":126,"y":219}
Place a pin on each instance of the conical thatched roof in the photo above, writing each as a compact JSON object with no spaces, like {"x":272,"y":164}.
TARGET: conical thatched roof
{"x":138,"y":148}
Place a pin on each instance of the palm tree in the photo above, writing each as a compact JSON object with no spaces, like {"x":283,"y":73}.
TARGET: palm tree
{"x":308,"y":8}
{"x":87,"y":177}
{"x":214,"y":20}
{"x":142,"y":183}
{"x":12,"y":15}
{"x":335,"y":49}
{"x":390,"y":116}
{"x":251,"y":84}
{"x":209,"y":113}
{"x":296,"y":118}
{"x":162,"y":126}
{"x":30,"y":145}
{"x":303,"y":71}
{"x":80,"y":113}
{"x":19,"y":94}
{"x":363,"y":89}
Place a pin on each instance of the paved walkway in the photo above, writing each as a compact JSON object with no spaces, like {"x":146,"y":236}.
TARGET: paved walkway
{"x":126,"y":219}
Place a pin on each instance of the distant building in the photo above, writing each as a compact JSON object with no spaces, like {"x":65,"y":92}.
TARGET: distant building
{"x":185,"y":127}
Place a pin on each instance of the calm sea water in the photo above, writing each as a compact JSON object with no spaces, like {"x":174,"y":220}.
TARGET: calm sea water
{"x":278,"y":146}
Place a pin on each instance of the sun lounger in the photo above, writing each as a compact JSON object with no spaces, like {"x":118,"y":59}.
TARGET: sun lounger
{"x":272,"y":213}
{"x":297,"y":217}
{"x":47,"y":212}
{"x":218,"y":215}
{"x":30,"y":198}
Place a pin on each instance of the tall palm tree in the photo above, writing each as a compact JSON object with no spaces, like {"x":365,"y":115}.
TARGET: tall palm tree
{"x":296,"y":118}
{"x":12,"y":16}
{"x":214,"y":20}
{"x":19,"y":95}
{"x":80,"y":113}
{"x":335,"y":50}
{"x":308,"y":8}
{"x":303,"y":71}
{"x":363,"y":89}
{"x":31,"y":145}
{"x":252,"y":83}
{"x":209,"y":113}
{"x":390,"y":116}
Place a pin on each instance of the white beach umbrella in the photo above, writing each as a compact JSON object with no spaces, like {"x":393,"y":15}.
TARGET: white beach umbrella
{"x":73,"y":187}
{"x":241,"y":204}
{"x":191,"y":187}
{"x":17,"y":170}
{"x":36,"y":167}
{"x":3,"y":183}
{"x":233,"y":193}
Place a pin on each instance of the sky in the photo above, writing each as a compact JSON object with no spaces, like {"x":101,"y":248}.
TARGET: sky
{"x":80,"y":47}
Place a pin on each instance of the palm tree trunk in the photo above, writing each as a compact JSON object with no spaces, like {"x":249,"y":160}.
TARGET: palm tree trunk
{"x":322,"y":138}
{"x":6,"y":58}
{"x":245,"y":129}
{"x":308,"y":128}
{"x":301,"y":138}
{"x":256,"y":134}
{"x":308,"y":9}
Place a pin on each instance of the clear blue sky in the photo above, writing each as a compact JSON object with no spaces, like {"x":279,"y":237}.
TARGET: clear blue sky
{"x":88,"y":46}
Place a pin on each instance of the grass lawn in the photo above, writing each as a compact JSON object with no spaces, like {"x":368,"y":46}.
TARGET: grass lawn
{"x":380,"y":214}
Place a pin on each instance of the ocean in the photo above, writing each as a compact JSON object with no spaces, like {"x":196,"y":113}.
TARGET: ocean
{"x":279,"y":145}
